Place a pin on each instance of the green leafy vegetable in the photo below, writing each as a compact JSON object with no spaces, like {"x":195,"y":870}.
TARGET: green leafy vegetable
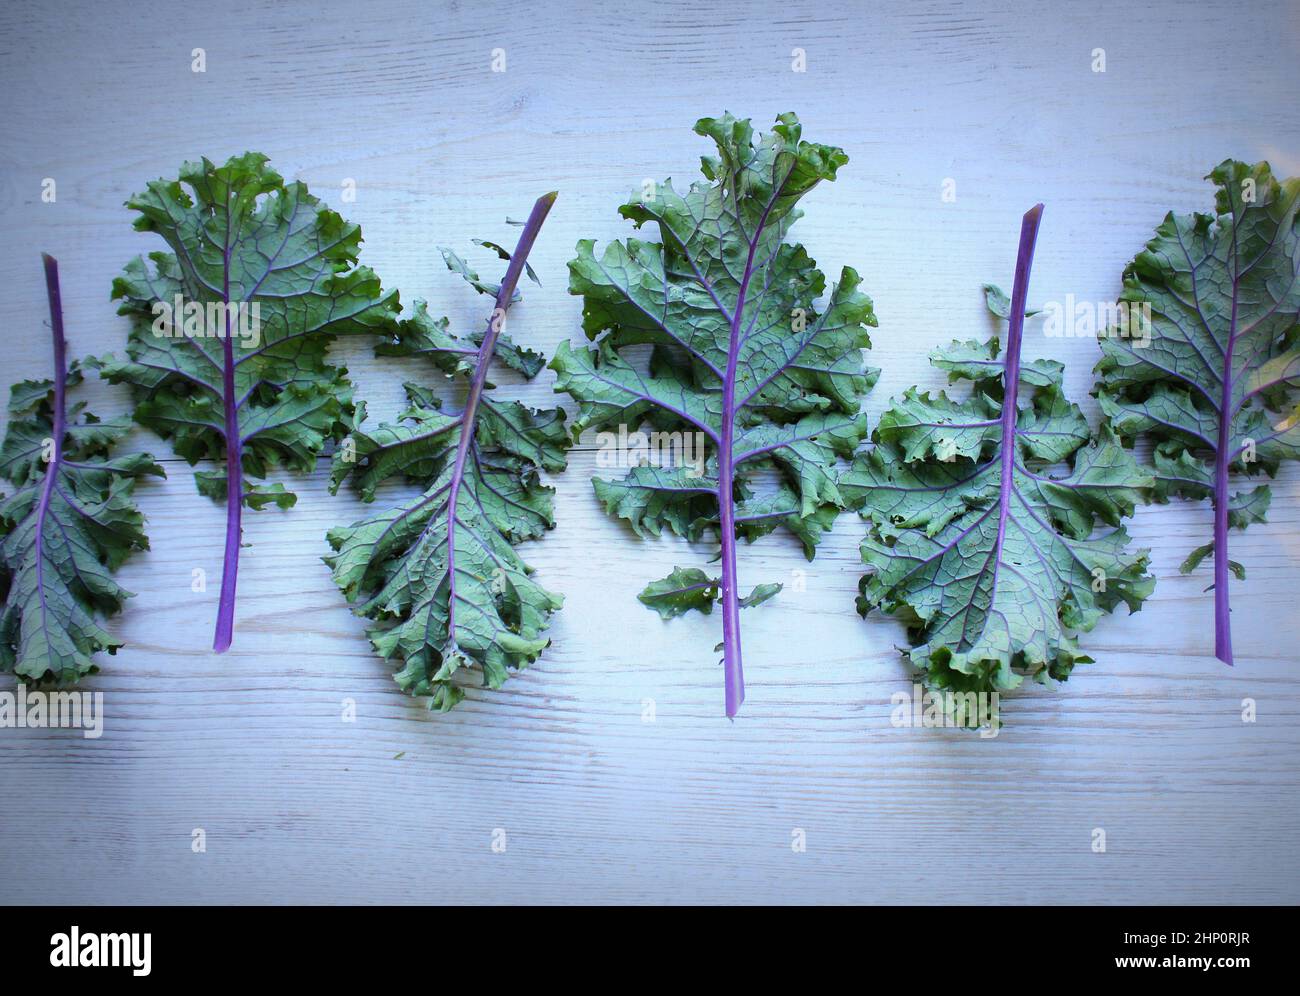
{"x":997,"y":301}
{"x":989,"y":557}
{"x":740,"y":357}
{"x":438,"y":573}
{"x":70,"y":523}
{"x":1213,"y":376}
{"x":230,"y":329}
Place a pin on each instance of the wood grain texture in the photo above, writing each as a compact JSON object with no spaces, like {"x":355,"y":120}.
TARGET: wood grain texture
{"x":596,"y":804}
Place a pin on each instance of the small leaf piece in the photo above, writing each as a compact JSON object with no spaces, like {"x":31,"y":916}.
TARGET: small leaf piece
{"x":759,"y":595}
{"x":71,"y":522}
{"x":686,"y":588}
{"x":996,"y":300}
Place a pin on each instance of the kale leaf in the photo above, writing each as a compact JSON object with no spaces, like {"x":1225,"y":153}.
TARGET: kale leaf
{"x":439,"y":573}
{"x":991,"y":559}
{"x":226,"y":355}
{"x":71,"y":521}
{"x":740,"y":358}
{"x":1206,"y":359}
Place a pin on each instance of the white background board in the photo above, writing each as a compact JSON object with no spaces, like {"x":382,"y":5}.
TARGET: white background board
{"x":597,"y":805}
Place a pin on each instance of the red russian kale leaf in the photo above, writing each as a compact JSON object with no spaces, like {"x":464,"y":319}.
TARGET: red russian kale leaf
{"x":438,"y":573}
{"x":71,"y":522}
{"x":227,"y":350}
{"x":739,"y":355}
{"x":1213,"y":376}
{"x":989,"y":555}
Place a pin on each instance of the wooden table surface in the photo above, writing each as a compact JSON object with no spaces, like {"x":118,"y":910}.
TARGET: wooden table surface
{"x":595,"y":803}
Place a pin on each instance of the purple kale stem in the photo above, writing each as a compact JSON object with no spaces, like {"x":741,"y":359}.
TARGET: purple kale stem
{"x":484,"y":360}
{"x":1011,"y":376}
{"x":733,"y":667}
{"x":1222,"y":612}
{"x":60,"y":360}
{"x":234,"y":477}
{"x":60,"y":386}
